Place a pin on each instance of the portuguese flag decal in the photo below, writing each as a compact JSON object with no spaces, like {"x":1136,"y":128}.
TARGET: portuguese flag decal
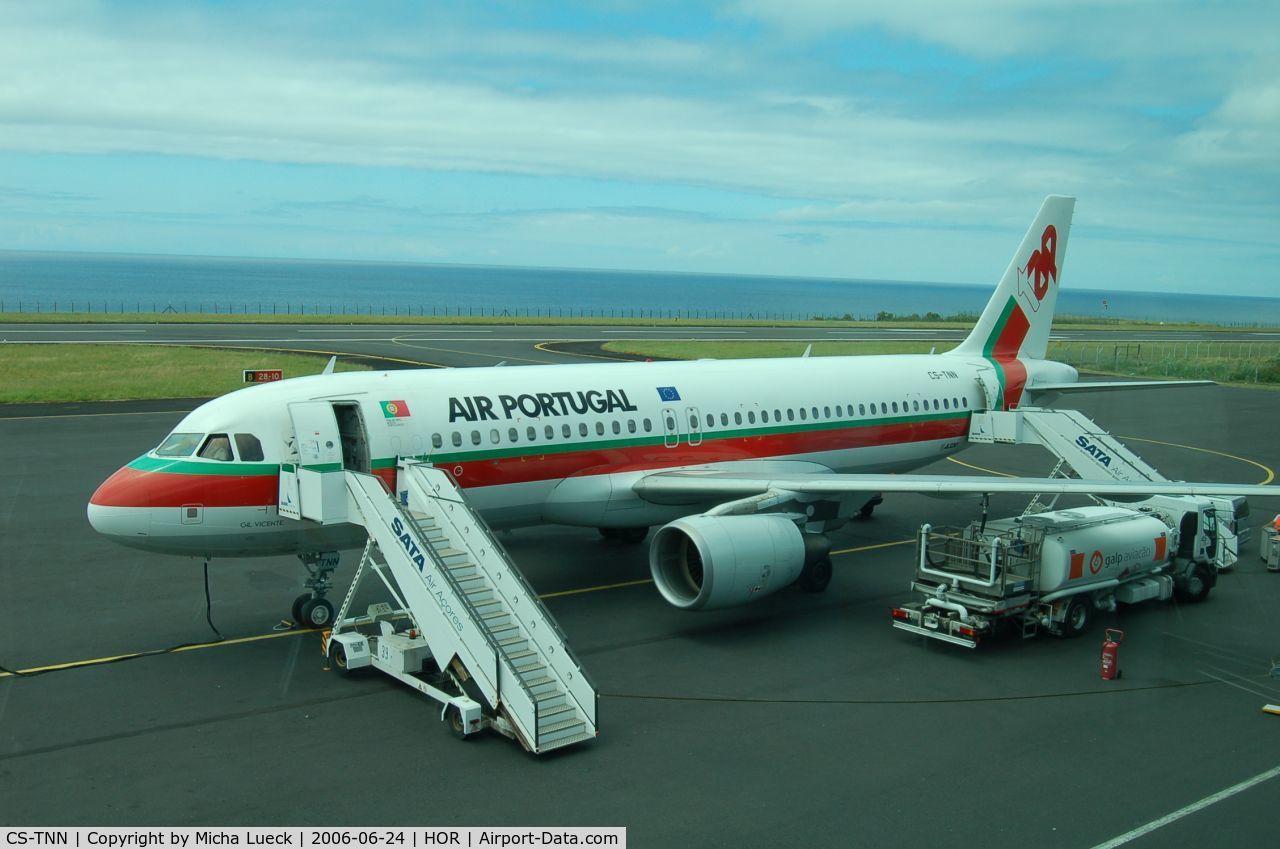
{"x":394,"y":409}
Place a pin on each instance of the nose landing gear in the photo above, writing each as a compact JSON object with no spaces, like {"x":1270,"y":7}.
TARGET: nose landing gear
{"x":312,"y":609}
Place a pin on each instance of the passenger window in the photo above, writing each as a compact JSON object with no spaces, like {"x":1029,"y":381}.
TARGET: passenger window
{"x":216,"y":447}
{"x":737,"y":418}
{"x":436,"y":441}
{"x":475,"y":437}
{"x":179,"y":444}
{"x":724,"y":419}
{"x":777,"y":415}
{"x":532,"y":433}
{"x":791,"y":414}
{"x":966,"y":402}
{"x":802,"y":414}
{"x":631,"y":425}
{"x":751,"y":416}
{"x":494,"y":436}
{"x":566,"y":431}
{"x":815,"y":414}
{"x":915,"y":405}
{"x":945,"y":404}
{"x":648,"y":425}
{"x":549,"y":432}
{"x":513,"y":434}
{"x":826,"y":412}
{"x":711,"y":420}
{"x":456,"y":439}
{"x":862,"y":409}
{"x":599,"y":428}
{"x":582,"y":428}
{"x":935,"y":403}
{"x":617,"y":427}
{"x":895,"y":406}
{"x":764,"y":416}
{"x":248,"y":447}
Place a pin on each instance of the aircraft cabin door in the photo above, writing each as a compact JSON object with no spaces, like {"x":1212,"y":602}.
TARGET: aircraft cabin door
{"x":695,"y":426}
{"x":670,"y":428}
{"x":990,"y":385}
{"x":315,"y":488}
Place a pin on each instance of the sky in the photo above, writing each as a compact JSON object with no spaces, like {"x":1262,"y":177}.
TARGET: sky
{"x":904,"y":140}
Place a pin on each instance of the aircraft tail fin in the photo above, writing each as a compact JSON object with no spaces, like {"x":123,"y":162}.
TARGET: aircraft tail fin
{"x":1017,"y":319}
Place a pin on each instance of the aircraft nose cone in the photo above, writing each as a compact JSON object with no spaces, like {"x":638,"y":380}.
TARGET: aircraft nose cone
{"x":124,"y":524}
{"x":118,"y":508}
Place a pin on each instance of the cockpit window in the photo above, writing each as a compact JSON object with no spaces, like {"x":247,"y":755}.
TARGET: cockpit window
{"x":248,"y":447}
{"x":179,"y":444}
{"x":216,"y":447}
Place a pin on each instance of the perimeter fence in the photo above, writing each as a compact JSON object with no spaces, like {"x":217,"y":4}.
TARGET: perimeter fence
{"x":1233,"y":362}
{"x":259,"y":309}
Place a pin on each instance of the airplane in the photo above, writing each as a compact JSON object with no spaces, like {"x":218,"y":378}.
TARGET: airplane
{"x":623,"y":447}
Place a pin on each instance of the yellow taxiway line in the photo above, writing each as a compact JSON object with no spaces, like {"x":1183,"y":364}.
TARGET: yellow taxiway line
{"x":98,"y":661}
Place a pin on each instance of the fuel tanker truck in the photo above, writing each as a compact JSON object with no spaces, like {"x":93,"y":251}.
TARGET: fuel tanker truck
{"x":1052,"y":571}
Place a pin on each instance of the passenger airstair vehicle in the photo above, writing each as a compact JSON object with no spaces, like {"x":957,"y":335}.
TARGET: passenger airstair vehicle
{"x":1080,"y":443}
{"x":463,"y":627}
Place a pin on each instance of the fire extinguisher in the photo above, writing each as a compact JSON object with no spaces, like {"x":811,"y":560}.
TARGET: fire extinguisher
{"x":1111,"y":654}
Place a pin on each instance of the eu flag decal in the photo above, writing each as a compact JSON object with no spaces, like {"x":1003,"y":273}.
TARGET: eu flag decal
{"x":668,"y":393}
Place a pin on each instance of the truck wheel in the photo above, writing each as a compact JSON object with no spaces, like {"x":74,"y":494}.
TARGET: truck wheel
{"x":815,"y":577}
{"x":453,"y":717}
{"x":1197,"y":585}
{"x":1077,"y":618}
{"x":338,"y":658}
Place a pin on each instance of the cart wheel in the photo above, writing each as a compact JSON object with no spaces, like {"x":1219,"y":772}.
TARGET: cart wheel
{"x":453,"y":717}
{"x":1197,"y":585}
{"x":296,"y":610}
{"x":338,"y":658}
{"x":1077,"y":618}
{"x":315,"y":613}
{"x":815,"y":577}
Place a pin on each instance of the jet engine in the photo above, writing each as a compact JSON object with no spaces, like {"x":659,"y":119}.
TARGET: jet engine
{"x":706,"y":562}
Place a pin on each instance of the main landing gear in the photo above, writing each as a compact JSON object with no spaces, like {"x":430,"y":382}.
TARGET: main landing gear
{"x":627,"y":535}
{"x":312,"y":609}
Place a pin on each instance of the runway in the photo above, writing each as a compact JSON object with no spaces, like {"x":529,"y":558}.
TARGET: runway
{"x":801,"y":720}
{"x":486,"y":345}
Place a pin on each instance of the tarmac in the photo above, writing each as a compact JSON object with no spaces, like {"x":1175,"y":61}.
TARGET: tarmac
{"x":799,"y":720}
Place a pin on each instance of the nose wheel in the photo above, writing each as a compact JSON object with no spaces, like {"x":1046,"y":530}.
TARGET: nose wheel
{"x":312,"y":609}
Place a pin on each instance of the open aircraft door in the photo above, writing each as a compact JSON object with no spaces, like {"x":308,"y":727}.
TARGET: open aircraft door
{"x":313,"y":488}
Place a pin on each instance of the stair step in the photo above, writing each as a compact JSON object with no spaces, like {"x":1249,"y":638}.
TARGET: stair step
{"x":515,"y":656}
{"x":544,"y":682}
{"x":564,"y":742}
{"x":535,"y":668}
{"x":508,"y":642}
{"x":552,"y":711}
{"x":559,"y":728}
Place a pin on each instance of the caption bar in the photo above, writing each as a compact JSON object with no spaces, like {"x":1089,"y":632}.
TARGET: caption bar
{"x":397,"y":838}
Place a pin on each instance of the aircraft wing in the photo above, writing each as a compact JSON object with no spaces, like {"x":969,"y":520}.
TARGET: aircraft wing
{"x":698,"y":486}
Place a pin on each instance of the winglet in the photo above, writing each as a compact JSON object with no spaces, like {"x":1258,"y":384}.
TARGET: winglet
{"x":328,"y":369}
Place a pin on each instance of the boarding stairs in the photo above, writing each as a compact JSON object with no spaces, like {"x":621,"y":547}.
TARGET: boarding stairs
{"x":1091,"y":452}
{"x":481,"y":621}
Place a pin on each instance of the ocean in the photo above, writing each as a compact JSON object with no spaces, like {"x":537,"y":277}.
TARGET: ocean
{"x":67,"y":282}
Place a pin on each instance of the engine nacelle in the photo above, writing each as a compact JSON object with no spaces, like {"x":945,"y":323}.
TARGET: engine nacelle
{"x":705,"y":562}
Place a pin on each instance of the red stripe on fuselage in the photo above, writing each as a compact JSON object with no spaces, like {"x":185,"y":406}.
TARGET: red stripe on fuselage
{"x":134,"y":488}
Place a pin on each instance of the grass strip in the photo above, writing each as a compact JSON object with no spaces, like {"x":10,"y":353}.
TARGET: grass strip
{"x":58,"y":373}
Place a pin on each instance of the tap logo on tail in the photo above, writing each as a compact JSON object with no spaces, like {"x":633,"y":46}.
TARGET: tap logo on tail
{"x":1041,"y":269}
